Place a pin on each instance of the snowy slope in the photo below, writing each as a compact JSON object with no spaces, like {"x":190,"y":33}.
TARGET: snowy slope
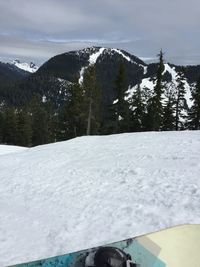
{"x":89,"y":191}
{"x":93,"y":57}
{"x":29,"y":67}
{"x":92,"y":60}
{"x":4,"y":149}
{"x":94,"y":53}
{"x":174,"y":76}
{"x":149,"y":83}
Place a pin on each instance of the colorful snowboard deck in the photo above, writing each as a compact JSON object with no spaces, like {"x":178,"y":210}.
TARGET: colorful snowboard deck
{"x":174,"y":247}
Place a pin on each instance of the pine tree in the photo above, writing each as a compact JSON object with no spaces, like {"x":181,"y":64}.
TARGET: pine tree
{"x":63,"y":118}
{"x":155,"y":108}
{"x":194,"y":114}
{"x":121,"y":111}
{"x":168,"y":116}
{"x":71,"y":116}
{"x":138,"y":110}
{"x":180,"y":103}
{"x":91,"y":101}
{"x":52,"y":120}
{"x":168,"y":108}
{"x":24,"y":128}
{"x":1,"y":126}
{"x":10,"y":126}
{"x":76,"y":109}
{"x":40,"y":132}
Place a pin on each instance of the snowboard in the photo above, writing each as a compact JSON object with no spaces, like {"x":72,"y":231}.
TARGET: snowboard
{"x":173,"y":247}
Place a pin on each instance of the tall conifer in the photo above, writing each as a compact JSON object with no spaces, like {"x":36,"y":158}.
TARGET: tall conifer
{"x":91,"y":101}
{"x":155,"y":108}
{"x":194,"y":114}
{"x":121,"y":105}
{"x":138,"y":110}
{"x":180,"y":102}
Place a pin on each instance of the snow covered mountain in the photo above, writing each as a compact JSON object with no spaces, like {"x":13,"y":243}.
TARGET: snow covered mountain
{"x":9,"y":73}
{"x":90,"y":191}
{"x":96,"y":52}
{"x":15,"y":71}
{"x":70,"y":67}
{"x":29,"y":67}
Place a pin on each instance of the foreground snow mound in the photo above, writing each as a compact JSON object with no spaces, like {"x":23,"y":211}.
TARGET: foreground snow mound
{"x":5,"y":149}
{"x":89,"y":191}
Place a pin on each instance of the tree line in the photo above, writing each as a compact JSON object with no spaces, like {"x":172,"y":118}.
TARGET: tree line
{"x":163,"y":109}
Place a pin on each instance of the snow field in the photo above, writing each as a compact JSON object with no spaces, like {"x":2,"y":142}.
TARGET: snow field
{"x":5,"y":149}
{"x":90,"y":191}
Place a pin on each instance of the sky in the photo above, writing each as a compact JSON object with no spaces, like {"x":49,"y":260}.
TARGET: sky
{"x":36,"y":30}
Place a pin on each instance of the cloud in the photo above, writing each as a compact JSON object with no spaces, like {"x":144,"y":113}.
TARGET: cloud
{"x":39,"y":29}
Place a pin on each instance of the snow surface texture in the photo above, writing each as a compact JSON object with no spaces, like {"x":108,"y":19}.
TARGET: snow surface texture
{"x":90,"y":191}
{"x":4,"y":149}
{"x":29,"y":67}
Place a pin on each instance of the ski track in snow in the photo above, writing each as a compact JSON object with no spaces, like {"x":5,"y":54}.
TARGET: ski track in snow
{"x":90,"y":191}
{"x":80,"y":81}
{"x":129,"y":59}
{"x":93,"y":58}
{"x":122,"y":54}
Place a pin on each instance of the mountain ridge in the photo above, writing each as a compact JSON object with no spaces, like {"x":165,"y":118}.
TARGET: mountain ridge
{"x":70,"y":67}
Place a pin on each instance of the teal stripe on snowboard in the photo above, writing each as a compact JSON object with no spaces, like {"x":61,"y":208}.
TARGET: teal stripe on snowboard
{"x":139,"y":254}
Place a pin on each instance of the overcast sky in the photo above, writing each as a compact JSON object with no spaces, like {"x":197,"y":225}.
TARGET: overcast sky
{"x":38,"y":29}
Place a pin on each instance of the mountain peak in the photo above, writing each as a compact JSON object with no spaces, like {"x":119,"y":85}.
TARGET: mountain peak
{"x":95,"y":52}
{"x":29,"y":67}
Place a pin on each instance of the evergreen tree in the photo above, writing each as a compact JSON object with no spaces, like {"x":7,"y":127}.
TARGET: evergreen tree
{"x":180,"y":103}
{"x":194,"y":114}
{"x":155,"y":108}
{"x":168,"y":116}
{"x":10,"y":126}
{"x":1,"y":126}
{"x":63,"y":121}
{"x":168,"y":108}
{"x":138,"y":110}
{"x":40,"y":132}
{"x":76,"y":111}
{"x":91,"y":101}
{"x":120,"y":109}
{"x":52,"y":120}
{"x":24,"y":128}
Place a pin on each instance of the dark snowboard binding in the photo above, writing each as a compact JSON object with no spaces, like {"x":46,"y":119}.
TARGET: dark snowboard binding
{"x":109,"y":257}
